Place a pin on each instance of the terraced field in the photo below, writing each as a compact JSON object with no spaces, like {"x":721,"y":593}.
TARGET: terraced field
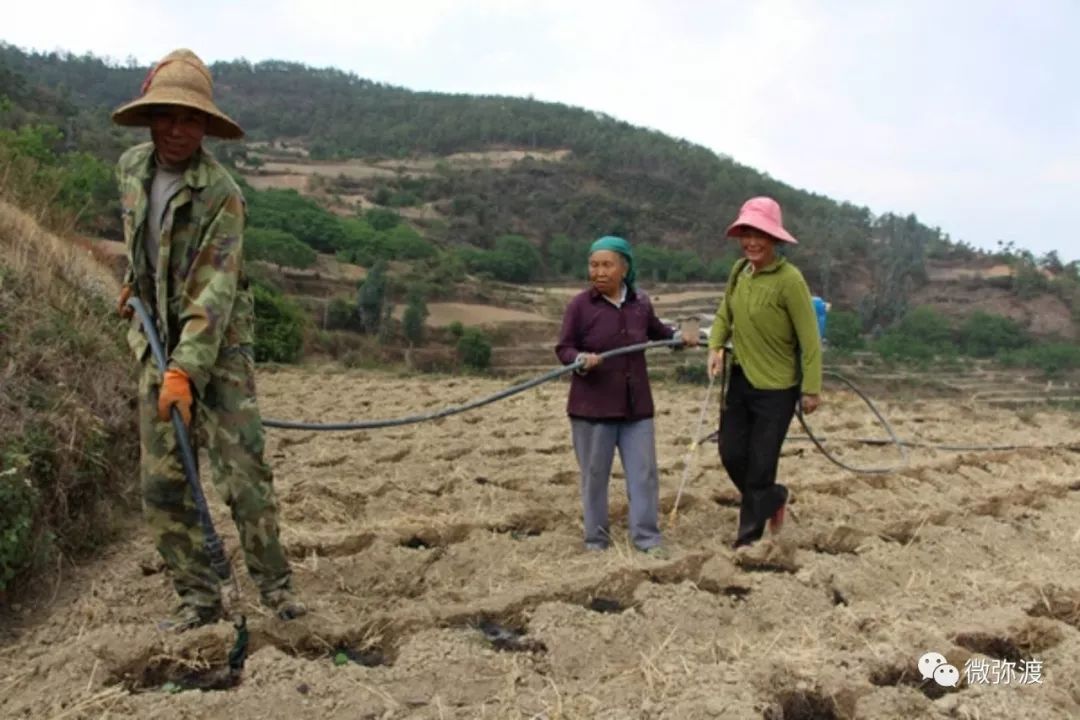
{"x":445,"y":572}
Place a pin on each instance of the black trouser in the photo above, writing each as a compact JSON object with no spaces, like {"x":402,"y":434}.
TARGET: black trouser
{"x":752,"y":429}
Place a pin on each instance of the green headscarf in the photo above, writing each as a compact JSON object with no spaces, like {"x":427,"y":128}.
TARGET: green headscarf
{"x":617,"y":244}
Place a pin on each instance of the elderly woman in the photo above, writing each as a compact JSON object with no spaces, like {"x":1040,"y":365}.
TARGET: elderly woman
{"x":767,"y":313}
{"x":610,"y":404}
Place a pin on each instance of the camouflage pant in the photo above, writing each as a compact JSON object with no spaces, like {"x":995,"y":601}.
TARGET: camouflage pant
{"x":227,"y":420}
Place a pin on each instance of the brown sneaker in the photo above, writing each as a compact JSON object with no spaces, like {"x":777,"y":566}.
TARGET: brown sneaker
{"x":284,"y":603}
{"x":188,"y":617}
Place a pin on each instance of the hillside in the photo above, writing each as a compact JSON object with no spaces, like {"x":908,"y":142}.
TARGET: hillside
{"x":68,"y":442}
{"x":464,"y":171}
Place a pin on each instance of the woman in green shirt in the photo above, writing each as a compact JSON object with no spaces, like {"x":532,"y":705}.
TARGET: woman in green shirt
{"x":767,"y":314}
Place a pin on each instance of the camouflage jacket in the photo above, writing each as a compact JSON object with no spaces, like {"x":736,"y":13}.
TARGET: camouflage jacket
{"x":199,"y":294}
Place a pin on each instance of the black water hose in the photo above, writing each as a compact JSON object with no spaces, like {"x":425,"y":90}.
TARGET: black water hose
{"x":214,"y":547}
{"x":560,"y":371}
{"x":944,"y":446}
{"x":819,"y":443}
{"x":455,"y":409}
{"x":213,"y":543}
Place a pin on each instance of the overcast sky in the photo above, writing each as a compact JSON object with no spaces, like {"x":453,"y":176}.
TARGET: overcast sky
{"x":965,"y":112}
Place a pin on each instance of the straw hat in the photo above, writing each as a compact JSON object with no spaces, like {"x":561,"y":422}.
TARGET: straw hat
{"x":180,"y":78}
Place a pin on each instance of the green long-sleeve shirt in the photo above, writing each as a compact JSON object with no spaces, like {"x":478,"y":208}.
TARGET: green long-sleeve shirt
{"x":771,"y":320}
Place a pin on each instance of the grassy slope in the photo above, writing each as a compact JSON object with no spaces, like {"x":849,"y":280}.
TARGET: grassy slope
{"x":68,"y":442}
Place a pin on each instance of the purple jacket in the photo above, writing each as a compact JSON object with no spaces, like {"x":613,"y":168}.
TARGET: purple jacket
{"x":619,"y":388}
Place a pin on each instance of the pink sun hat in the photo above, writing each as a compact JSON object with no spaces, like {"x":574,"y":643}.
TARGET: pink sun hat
{"x":762,"y":213}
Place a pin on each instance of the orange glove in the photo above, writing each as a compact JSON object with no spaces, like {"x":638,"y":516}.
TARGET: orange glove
{"x":175,"y":390}
{"x":122,"y":308}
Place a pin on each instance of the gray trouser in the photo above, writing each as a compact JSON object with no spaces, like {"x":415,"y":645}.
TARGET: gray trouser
{"x":595,"y":442}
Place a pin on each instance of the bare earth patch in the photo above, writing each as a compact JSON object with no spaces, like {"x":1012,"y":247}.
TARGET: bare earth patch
{"x":279,"y":181}
{"x":444,"y":568}
{"x":677,"y":298}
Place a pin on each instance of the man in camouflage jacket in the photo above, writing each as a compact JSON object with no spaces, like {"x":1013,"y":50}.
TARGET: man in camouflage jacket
{"x":183,"y":218}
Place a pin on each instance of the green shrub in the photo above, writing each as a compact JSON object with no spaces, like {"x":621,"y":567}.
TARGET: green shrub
{"x":18,"y":509}
{"x":456,"y":329}
{"x":985,"y":335}
{"x":920,"y":335}
{"x":843,"y":330}
{"x":388,"y":327}
{"x":927,"y":325}
{"x":1051,"y":358}
{"x":661,"y":264}
{"x":382,"y":195}
{"x":279,"y":327}
{"x":371,"y":298}
{"x":365,"y":244}
{"x":1028,"y":281}
{"x":898,"y":346}
{"x":382,"y":219}
{"x":404,"y":243}
{"x":719,"y":270}
{"x":302,"y":217}
{"x":36,"y":166}
{"x":474,"y":349}
{"x":415,"y":314}
{"x":514,"y":259}
{"x":278,"y":247}
{"x":341,"y":315}
{"x":566,"y":256}
{"x":359,"y":242}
